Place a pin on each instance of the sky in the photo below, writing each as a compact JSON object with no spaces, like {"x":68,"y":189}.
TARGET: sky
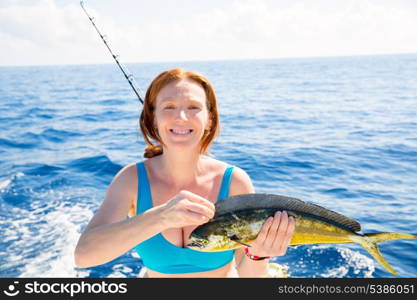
{"x":51,"y":32}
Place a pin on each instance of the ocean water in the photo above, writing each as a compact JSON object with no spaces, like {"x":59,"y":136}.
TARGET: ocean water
{"x":339,"y":132}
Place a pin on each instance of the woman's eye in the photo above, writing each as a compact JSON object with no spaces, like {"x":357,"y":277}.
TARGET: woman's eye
{"x":194,"y":107}
{"x":169,"y":107}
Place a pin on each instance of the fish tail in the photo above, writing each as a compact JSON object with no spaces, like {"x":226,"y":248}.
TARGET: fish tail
{"x":369,"y":242}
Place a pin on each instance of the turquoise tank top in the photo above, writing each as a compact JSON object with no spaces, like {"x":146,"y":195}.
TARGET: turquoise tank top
{"x":158,"y":254}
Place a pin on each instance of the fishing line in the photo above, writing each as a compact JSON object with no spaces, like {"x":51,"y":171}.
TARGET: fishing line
{"x":126,"y":73}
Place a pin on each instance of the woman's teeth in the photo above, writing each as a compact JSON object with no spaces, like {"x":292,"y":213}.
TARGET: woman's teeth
{"x":181,"y":132}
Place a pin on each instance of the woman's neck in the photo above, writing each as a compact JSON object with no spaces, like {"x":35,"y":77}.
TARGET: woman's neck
{"x":180,"y":168}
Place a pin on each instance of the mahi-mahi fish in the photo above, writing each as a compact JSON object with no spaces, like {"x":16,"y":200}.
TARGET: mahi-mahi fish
{"x":238,"y":220}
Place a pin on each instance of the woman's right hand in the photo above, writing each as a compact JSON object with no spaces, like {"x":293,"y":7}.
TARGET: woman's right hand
{"x":186,"y":209}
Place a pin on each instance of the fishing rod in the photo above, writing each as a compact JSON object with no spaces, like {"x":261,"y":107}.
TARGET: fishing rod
{"x":129,"y":77}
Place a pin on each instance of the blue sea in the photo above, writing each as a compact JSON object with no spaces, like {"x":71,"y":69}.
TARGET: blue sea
{"x":340,"y":132}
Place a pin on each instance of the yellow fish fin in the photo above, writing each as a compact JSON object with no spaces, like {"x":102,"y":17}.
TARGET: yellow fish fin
{"x":369,"y":242}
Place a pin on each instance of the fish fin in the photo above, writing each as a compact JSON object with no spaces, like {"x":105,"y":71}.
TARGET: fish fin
{"x":235,"y":238}
{"x":389,"y":236}
{"x":368,"y":241}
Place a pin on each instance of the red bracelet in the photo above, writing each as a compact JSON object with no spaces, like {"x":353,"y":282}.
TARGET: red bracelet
{"x":255,"y":257}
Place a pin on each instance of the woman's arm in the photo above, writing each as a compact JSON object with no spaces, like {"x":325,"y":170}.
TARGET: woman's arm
{"x":272,"y":240}
{"x":109,"y":234}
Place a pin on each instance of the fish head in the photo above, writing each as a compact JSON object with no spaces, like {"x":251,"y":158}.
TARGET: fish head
{"x":226,"y":232}
{"x":205,"y":240}
{"x":208,"y":243}
{"x":198,"y":243}
{"x":199,"y":238}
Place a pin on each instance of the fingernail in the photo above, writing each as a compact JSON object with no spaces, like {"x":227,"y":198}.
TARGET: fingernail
{"x":278,"y":214}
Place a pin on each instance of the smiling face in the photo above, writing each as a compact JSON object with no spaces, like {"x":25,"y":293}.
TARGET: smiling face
{"x":179,"y":106}
{"x":181,"y":114}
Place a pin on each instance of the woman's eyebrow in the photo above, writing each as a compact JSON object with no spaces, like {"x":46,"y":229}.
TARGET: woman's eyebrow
{"x":164,"y":100}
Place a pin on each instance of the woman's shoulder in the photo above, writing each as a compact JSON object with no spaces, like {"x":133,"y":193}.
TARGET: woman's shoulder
{"x":217,"y":164}
{"x":240,"y":183}
{"x":128,"y":171}
{"x":125,"y":181}
{"x":214,"y":164}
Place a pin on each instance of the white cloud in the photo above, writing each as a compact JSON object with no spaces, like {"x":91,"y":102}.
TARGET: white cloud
{"x":44,"y":33}
{"x":304,"y":31}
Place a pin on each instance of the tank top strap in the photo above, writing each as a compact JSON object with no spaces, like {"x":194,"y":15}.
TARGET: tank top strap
{"x":144,"y":198}
{"x":227,"y":178}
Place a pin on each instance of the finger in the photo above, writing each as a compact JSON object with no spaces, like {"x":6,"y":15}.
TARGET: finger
{"x":264,"y":231}
{"x":196,"y":218}
{"x":272,"y":230}
{"x":280,"y":233}
{"x":199,"y":209}
{"x":197,"y":199}
{"x":290,"y":229}
{"x":288,"y":236}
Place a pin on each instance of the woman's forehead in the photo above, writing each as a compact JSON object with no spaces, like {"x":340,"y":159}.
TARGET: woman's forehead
{"x":182,"y":90}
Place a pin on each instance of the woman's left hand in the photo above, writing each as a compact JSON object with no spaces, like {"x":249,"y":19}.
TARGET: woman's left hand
{"x":274,"y":237}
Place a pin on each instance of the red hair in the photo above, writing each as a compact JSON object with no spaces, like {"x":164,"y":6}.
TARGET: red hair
{"x":147,"y":117}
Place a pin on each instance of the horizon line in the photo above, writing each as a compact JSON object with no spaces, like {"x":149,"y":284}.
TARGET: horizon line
{"x":210,"y":60}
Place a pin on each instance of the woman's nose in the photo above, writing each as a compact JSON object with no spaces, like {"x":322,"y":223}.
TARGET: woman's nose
{"x":182,"y":115}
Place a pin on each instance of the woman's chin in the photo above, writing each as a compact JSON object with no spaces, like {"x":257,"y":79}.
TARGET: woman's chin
{"x":188,"y":146}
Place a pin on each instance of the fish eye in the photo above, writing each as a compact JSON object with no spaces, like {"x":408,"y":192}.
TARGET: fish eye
{"x":195,"y":244}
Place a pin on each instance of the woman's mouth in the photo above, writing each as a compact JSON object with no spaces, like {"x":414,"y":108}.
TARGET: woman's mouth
{"x":181,"y":132}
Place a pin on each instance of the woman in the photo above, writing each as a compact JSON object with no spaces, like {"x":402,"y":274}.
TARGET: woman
{"x":174,"y":190}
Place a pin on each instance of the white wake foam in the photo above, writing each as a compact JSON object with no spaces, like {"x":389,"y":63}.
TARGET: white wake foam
{"x":42,"y":241}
